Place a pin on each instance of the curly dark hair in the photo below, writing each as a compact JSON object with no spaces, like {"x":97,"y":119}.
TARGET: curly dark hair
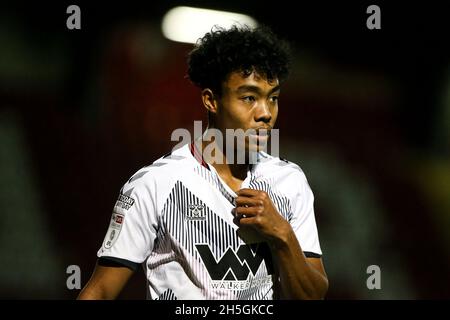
{"x":239,"y":48}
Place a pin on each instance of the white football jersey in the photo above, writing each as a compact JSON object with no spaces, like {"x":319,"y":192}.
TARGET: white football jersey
{"x":175,"y":218}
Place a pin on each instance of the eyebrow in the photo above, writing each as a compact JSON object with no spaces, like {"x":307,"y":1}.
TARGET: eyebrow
{"x":255,"y":89}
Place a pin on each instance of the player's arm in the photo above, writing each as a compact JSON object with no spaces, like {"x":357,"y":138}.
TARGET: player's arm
{"x":129,"y":239}
{"x":105,"y":283}
{"x":300,"y":277}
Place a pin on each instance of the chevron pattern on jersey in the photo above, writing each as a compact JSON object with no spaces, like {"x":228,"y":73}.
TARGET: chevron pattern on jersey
{"x":187,"y":232}
{"x":178,"y":236}
{"x":215,"y":182}
{"x":167,"y":295}
{"x":282,"y":203}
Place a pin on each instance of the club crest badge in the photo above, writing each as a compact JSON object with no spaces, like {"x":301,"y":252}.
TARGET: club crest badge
{"x":196,"y":212}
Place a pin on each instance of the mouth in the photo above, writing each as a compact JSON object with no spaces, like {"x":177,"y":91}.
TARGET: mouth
{"x":261,"y":137}
{"x":262,"y":132}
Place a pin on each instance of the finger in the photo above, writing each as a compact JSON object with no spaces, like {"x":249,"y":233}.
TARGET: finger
{"x":248,"y":221}
{"x":243,"y":201}
{"x":248,"y":192}
{"x":244,"y":212}
{"x":241,"y":221}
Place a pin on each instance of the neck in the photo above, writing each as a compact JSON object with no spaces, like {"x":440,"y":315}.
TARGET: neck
{"x":214,"y":155}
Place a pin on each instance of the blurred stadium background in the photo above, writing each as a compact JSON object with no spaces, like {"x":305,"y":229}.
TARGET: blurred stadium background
{"x":365,"y":113}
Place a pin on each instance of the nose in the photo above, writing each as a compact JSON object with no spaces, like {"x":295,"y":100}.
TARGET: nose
{"x":262,"y":113}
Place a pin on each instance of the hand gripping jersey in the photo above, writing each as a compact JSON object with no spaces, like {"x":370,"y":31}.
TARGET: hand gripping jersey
{"x":175,"y":218}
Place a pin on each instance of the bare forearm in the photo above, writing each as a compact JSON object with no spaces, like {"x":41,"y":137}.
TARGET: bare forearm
{"x":92,"y":294}
{"x":299,"y":279}
{"x":106,"y":283}
{"x":96,"y":291}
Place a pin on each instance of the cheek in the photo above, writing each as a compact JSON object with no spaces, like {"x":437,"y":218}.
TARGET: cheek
{"x":274,"y":115}
{"x":237,"y":116}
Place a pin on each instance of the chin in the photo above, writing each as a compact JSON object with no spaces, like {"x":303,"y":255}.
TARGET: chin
{"x":251,"y":153}
{"x":257,"y":147}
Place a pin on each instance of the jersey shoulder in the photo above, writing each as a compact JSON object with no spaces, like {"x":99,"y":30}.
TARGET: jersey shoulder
{"x":279,"y":164}
{"x":289,"y":176}
{"x":163,"y":171}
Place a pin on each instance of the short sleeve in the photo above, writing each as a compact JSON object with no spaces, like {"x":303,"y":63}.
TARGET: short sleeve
{"x":132,"y":228}
{"x":303,"y":219}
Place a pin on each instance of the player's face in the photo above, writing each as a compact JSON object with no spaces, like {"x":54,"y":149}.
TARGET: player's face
{"x":249,"y":102}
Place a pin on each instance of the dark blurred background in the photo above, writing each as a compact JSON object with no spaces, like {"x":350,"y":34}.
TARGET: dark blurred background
{"x":365,"y":113}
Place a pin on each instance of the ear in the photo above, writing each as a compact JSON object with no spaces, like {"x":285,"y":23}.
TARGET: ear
{"x":209,"y":100}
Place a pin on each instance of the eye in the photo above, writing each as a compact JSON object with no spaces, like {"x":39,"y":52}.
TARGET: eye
{"x":248,"y":99}
{"x":274,"y":99}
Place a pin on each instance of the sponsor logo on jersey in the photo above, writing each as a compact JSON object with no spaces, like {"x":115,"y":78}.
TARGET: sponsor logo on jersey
{"x":124,"y":201}
{"x":119,"y":219}
{"x":196,"y":212}
{"x":114,"y":230}
{"x":232,"y":270}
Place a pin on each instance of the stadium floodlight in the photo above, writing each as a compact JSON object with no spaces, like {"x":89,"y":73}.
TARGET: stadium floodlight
{"x":187,"y":24}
